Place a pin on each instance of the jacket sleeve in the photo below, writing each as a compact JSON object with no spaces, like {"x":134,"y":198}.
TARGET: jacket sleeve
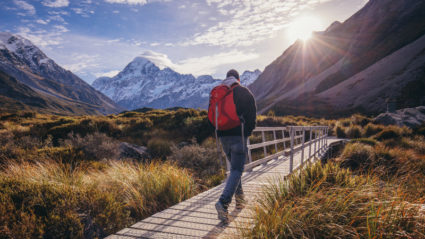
{"x":246,"y":108}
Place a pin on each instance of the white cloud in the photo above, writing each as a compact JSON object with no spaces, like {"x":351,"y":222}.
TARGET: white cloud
{"x":159,"y":59}
{"x":132,"y":2}
{"x":135,"y":2}
{"x":107,"y":74}
{"x":247,"y":22}
{"x":25,"y":6}
{"x":210,"y":64}
{"x":199,"y":65}
{"x":55,"y":3}
{"x":82,"y":62}
{"x":43,"y":38}
{"x":41,"y":21}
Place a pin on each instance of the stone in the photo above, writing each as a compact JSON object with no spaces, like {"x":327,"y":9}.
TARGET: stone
{"x":409,"y":117}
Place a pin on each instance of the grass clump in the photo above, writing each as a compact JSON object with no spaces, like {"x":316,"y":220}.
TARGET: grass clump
{"x":367,"y":141}
{"x":326,"y":201}
{"x":51,"y":200}
{"x":354,"y":132}
{"x":356,"y":155}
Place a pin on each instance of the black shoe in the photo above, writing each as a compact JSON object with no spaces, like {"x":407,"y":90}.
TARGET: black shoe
{"x":222,"y":212}
{"x":240,"y":201}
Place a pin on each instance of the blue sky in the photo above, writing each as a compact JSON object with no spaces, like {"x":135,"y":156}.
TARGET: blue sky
{"x":93,"y":38}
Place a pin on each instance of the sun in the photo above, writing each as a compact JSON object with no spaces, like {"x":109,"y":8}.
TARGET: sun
{"x":303,"y":27}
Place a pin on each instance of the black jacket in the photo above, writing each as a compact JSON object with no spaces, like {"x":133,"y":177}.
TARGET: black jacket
{"x":245,"y":109}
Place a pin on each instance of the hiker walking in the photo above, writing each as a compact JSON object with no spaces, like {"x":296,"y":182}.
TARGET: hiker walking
{"x":232,"y":111}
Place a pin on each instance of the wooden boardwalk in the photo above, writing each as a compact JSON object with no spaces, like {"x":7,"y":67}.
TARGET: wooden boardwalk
{"x":197,"y":217}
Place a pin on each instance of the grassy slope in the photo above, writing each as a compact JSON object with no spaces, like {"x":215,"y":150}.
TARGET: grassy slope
{"x":56,"y":184}
{"x":375,"y":189}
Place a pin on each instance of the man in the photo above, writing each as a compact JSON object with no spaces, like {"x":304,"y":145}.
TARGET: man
{"x":234,"y":143}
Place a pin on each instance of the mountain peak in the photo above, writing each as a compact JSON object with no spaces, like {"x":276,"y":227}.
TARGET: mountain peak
{"x":14,"y":42}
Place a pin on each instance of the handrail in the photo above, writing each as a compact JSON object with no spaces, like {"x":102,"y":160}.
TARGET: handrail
{"x":317,"y":142}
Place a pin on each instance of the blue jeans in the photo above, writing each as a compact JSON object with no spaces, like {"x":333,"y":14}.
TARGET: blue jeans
{"x":233,"y":148}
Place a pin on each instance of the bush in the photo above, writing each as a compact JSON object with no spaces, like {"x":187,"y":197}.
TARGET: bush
{"x":340,"y":132}
{"x":203,"y":162}
{"x":371,"y":129}
{"x":357,"y":155}
{"x":96,"y":146}
{"x":360,"y":120}
{"x":354,"y":132}
{"x":159,"y":148}
{"x":389,"y":133}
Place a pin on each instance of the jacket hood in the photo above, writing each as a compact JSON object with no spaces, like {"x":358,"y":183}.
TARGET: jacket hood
{"x":229,"y":81}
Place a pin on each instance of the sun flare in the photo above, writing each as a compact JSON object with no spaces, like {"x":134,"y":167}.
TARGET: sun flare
{"x":302,"y":28}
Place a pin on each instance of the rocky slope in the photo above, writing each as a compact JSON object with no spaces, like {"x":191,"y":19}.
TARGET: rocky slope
{"x":143,"y":84}
{"x":353,"y":66}
{"x":22,"y":60}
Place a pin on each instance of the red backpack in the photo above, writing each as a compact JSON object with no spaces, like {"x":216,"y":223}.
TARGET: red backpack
{"x":222,"y":109}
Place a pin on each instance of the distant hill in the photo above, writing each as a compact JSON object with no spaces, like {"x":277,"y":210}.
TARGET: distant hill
{"x":16,"y":96}
{"x":23,"y":61}
{"x":143,"y":84}
{"x":354,"y":66}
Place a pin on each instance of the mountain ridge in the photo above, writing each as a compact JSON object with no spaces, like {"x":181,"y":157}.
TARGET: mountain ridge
{"x":143,"y":84}
{"x":22,"y":60}
{"x":294,"y":82}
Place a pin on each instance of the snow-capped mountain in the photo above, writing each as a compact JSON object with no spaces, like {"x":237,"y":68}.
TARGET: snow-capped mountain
{"x":25,"y":62}
{"x":143,"y":84}
{"x":248,"y":77}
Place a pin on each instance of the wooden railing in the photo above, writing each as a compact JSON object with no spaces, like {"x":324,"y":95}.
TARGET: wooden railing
{"x":291,"y":140}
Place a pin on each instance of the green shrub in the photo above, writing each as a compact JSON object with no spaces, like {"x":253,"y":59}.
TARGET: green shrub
{"x":340,"y":132}
{"x":371,"y":129}
{"x":354,"y":132}
{"x":389,"y":133}
{"x":360,"y":120}
{"x":357,"y":155}
{"x":159,"y":148}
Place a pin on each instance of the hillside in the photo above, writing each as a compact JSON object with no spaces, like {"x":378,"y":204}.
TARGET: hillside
{"x":22,"y":60}
{"x":353,"y":66}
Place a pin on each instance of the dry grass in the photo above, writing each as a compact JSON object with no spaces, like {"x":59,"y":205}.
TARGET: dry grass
{"x":51,"y":199}
{"x":376,"y":189}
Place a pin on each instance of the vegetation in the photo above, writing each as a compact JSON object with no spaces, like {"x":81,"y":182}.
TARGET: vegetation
{"x":374,"y":189}
{"x":64,"y":176}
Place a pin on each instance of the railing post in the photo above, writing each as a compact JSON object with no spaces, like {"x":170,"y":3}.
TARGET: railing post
{"x":284,"y":142}
{"x":291,"y":160}
{"x":302,"y":147}
{"x":275,"y":144}
{"x":309,"y":148}
{"x":249,"y":152}
{"x":264,"y":140}
{"x":320,"y":142}
{"x":315,"y":142}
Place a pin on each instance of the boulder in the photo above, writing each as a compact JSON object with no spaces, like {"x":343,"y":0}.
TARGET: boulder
{"x":410,"y":117}
{"x":133,"y":151}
